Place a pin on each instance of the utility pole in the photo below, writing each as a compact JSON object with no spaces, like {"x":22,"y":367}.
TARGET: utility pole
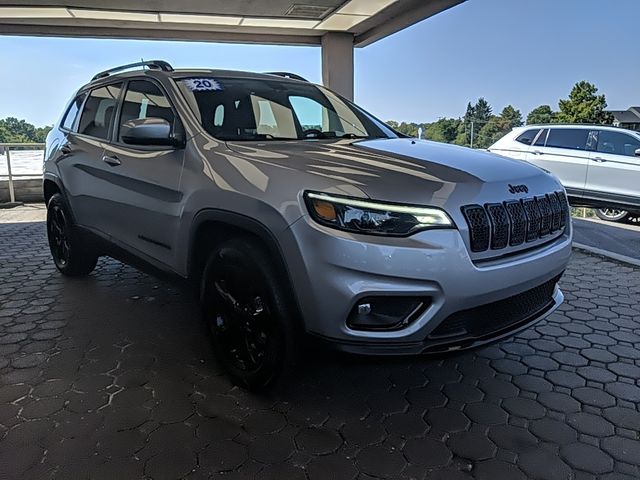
{"x":471,"y":146}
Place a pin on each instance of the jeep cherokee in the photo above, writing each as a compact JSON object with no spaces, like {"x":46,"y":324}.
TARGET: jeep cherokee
{"x":297,"y":213}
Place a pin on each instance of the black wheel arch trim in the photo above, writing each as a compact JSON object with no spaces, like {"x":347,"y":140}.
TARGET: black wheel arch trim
{"x":241,"y":222}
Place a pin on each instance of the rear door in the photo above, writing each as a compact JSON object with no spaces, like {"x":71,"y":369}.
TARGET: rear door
{"x":144,"y":181}
{"x":614,"y":168}
{"x":563,"y":151}
{"x":81,"y":162}
{"x":517,"y":147}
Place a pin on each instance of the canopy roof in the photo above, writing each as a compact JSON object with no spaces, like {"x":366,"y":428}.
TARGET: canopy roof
{"x":292,"y":22}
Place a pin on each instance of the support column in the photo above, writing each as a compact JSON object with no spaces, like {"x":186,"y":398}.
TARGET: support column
{"x":337,"y":63}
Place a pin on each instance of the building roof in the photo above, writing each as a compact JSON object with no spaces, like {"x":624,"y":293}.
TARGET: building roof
{"x":626,"y":116}
{"x":301,"y":22}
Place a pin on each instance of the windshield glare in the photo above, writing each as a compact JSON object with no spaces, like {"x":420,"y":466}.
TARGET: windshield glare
{"x":250,"y":109}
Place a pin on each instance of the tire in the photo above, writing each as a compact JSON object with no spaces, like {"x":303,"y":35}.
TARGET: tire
{"x":71,"y":256}
{"x":612,"y":214}
{"x":254,"y":329}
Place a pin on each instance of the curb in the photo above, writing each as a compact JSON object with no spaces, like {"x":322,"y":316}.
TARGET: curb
{"x":10,"y":204}
{"x":607,"y":254}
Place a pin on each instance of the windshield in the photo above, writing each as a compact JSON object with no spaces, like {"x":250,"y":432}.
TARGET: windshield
{"x":251,"y":109}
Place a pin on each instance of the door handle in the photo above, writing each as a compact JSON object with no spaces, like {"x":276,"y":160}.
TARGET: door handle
{"x":599,"y":159}
{"x":537,"y":152}
{"x":113,"y":161}
{"x":65,"y":149}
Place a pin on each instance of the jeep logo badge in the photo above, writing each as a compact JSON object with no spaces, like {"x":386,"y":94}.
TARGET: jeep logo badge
{"x":518,"y":189}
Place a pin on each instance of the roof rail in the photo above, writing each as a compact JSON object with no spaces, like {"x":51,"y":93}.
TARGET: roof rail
{"x":153,"y":64}
{"x":288,"y":75}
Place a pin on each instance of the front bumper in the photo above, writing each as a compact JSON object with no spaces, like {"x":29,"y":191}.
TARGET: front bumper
{"x":337,"y":269}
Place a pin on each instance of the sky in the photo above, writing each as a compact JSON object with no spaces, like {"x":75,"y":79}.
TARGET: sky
{"x":519,"y":52}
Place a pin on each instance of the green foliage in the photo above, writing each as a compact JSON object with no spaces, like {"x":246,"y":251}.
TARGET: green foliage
{"x":444,"y":130}
{"x":541,"y":114}
{"x":13,"y":130}
{"x":584,"y":106}
{"x":410,"y":129}
{"x":511,"y":116}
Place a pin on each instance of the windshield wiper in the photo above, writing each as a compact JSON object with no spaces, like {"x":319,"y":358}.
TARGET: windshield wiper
{"x":354,"y":136}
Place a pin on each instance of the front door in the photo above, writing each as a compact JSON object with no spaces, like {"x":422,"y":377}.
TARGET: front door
{"x":614,"y":168}
{"x":145,"y":180}
{"x":565,"y":154}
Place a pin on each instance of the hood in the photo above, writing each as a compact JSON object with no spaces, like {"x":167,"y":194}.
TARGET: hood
{"x":402,"y":169}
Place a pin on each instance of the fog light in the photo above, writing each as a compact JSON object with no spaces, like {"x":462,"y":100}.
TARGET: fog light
{"x":386,"y":313}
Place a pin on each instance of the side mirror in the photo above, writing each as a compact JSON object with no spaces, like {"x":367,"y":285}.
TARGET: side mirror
{"x":149,"y":131}
{"x":638,"y":152}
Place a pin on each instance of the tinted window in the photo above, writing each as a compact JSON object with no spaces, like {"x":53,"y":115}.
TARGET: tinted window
{"x":617,"y":143}
{"x":528,"y":136}
{"x":251,"y":109}
{"x":98,"y":111}
{"x":69,"y":120}
{"x":145,"y":100}
{"x":542,"y":138}
{"x":573,"y":138}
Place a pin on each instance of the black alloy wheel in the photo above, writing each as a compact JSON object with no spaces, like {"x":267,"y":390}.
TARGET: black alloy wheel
{"x":251,"y":326}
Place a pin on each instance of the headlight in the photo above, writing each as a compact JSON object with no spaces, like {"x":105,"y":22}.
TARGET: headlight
{"x":371,"y":217}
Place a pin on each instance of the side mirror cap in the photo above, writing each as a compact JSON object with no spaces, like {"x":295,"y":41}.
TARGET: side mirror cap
{"x":149,"y":131}
{"x":638,"y":152}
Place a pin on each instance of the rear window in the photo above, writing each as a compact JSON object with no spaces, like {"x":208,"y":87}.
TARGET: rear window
{"x":99,"y":110}
{"x":69,"y":120}
{"x":528,"y":136}
{"x":542,"y":138}
{"x":571,"y":138}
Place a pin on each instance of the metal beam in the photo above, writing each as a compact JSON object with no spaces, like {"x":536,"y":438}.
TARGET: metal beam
{"x":397,"y":20}
{"x":157,"y":34}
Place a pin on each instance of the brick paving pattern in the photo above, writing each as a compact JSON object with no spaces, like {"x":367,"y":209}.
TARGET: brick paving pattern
{"x":111,"y":377}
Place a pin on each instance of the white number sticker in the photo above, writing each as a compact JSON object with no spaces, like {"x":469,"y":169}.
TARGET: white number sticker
{"x":202,"y":84}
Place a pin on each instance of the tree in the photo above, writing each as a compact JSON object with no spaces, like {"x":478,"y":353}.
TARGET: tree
{"x":541,"y":114}
{"x":482,"y":110}
{"x":13,"y":130}
{"x":584,"y":106}
{"x":492,"y":131}
{"x":444,"y":130}
{"x":511,"y":116}
{"x":474,"y":119}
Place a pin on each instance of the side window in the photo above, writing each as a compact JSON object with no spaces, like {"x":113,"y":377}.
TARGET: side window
{"x":528,"y":136}
{"x":69,"y":120}
{"x":542,"y":138}
{"x":99,"y":110}
{"x":144,"y":99}
{"x":571,"y":138}
{"x":617,"y":143}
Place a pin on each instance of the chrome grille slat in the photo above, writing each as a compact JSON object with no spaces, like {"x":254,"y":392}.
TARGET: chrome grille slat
{"x":516,"y":222}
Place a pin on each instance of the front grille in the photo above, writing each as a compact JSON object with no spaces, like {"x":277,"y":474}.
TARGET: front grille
{"x":515,"y":222}
{"x":499,"y":225}
{"x":496,"y":316}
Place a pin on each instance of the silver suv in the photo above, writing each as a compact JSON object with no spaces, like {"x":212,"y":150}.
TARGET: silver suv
{"x":598,"y":165}
{"x":297,"y":214}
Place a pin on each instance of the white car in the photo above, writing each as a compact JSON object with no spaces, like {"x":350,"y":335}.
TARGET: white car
{"x":598,"y":165}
